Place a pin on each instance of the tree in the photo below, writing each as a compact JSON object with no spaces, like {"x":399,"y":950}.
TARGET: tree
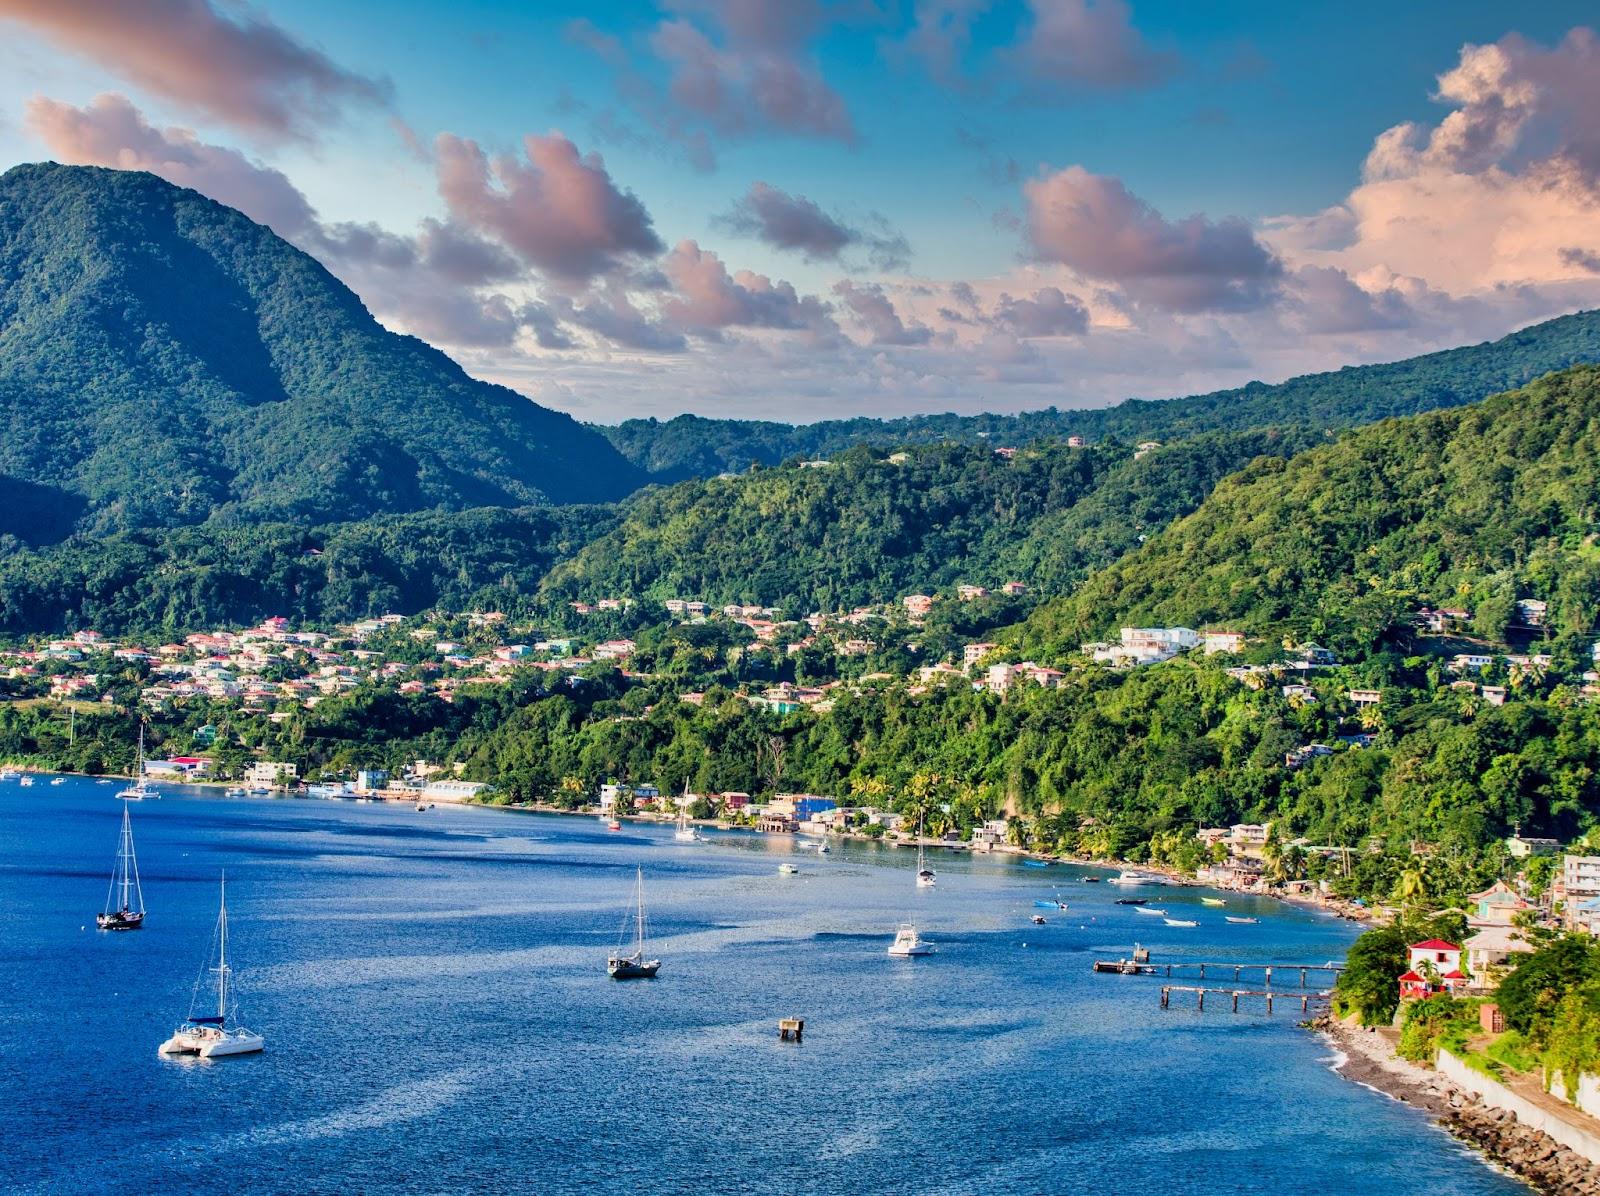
{"x":1370,"y":982}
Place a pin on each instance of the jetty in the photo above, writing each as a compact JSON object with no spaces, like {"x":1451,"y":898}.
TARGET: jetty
{"x":1307,"y":1000}
{"x":792,"y":1029}
{"x":1323,"y":972}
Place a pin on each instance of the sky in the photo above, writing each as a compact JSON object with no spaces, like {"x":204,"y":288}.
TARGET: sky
{"x":816,"y":209}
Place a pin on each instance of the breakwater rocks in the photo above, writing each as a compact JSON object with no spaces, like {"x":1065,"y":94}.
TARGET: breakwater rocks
{"x":1532,"y":1154}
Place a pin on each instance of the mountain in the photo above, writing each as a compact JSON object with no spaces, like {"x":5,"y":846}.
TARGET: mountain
{"x":1475,"y":507}
{"x":690,"y":446}
{"x":164,"y":360}
{"x":866,"y":527}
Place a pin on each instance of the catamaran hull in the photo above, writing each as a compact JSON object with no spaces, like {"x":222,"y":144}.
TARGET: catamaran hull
{"x":208,"y":1047}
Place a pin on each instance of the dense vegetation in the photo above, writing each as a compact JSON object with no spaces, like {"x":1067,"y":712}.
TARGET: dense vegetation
{"x":165,"y":361}
{"x":691,"y":446}
{"x":1475,"y":507}
{"x":170,"y":581}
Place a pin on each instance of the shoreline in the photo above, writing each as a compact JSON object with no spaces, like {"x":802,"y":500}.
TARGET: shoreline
{"x":1366,"y":1056}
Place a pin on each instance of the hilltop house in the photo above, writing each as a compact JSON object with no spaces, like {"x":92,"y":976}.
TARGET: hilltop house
{"x":1434,"y":968}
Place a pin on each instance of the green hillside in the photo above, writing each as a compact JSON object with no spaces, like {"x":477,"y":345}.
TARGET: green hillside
{"x":691,"y":446}
{"x":1475,"y":507}
{"x":164,"y":361}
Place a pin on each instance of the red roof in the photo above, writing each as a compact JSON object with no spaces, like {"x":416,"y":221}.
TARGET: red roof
{"x":1411,"y":978}
{"x":1434,"y":945}
{"x":1456,"y":975}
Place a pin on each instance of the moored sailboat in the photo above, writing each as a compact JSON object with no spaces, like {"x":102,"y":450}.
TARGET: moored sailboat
{"x":141,"y":788}
{"x":633,"y":966}
{"x":210,"y":1035}
{"x":685,"y":833}
{"x":124,"y":899}
{"x":924,"y":873}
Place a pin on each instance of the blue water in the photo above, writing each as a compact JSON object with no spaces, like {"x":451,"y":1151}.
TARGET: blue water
{"x":438,"y":1019}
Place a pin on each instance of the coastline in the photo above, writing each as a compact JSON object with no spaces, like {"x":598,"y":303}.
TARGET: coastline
{"x":1366,"y":1057}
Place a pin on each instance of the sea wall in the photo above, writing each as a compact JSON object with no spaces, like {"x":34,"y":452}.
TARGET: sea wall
{"x":1536,"y":1143}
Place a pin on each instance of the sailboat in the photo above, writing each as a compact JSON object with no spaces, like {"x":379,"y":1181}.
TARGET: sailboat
{"x":634,"y":966}
{"x":685,"y":833}
{"x":924,"y":873}
{"x":141,"y":788}
{"x":210,"y":1035}
{"x":124,"y":899}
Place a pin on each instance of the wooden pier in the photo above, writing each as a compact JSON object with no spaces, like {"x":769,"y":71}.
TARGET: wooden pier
{"x":1324,"y":971}
{"x":793,"y":1029}
{"x":1307,"y":1000}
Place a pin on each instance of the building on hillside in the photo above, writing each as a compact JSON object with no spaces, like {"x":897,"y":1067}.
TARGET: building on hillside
{"x":1492,"y":947}
{"x":971,"y":654}
{"x":1361,"y":698}
{"x":1494,"y":695}
{"x":777,"y":823}
{"x":1434,"y":968}
{"x":1532,"y":612}
{"x":269,"y":773}
{"x":1223,"y":641}
{"x":917,"y":605}
{"x":452,"y":790}
{"x":1496,"y":906}
{"x":969,"y":593}
{"x":1015,"y":589}
{"x":1520,"y":847}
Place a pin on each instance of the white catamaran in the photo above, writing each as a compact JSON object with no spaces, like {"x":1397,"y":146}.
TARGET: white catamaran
{"x":633,"y":966}
{"x":141,"y":788}
{"x":210,"y":1035}
{"x":124,"y":899}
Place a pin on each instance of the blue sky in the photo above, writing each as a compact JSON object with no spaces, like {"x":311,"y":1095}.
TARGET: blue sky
{"x":966,"y":205}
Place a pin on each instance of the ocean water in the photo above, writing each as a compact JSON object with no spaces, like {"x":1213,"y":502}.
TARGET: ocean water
{"x":438,"y":1019}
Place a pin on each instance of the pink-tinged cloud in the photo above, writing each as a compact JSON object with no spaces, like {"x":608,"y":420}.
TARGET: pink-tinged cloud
{"x":1097,"y":227}
{"x":759,"y":76}
{"x":875,"y":312}
{"x":706,"y":299}
{"x":559,"y":211}
{"x":797,"y":224}
{"x":110,"y":131}
{"x":941,"y":36}
{"x":1048,"y":312}
{"x":228,"y":63}
{"x":1079,"y":45}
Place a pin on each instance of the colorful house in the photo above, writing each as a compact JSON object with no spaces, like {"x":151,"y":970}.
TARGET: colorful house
{"x":1435,"y":967}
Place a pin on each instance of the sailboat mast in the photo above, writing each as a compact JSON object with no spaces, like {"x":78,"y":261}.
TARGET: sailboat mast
{"x":126,"y":852}
{"x":639,"y":888}
{"x":222,"y":952}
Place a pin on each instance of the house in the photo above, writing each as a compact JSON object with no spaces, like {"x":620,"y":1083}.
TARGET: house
{"x":971,"y":593}
{"x":1520,"y":847}
{"x":917,"y":605}
{"x":1495,"y":906}
{"x":1470,"y":662}
{"x":1580,"y":876}
{"x":777,"y":823}
{"x":370,"y":779}
{"x":453,"y":790}
{"x":1296,"y":757}
{"x":1494,"y":695}
{"x":1015,"y":589}
{"x":1146,"y":446}
{"x":1075,"y":441}
{"x":1223,"y":641}
{"x":267,"y":773}
{"x":1492,"y":947}
{"x":973,"y":653}
{"x":1434,"y":968}
{"x":1532,"y":612}
{"x":1365,"y":697}
{"x":734,"y":801}
{"x":1300,"y":694}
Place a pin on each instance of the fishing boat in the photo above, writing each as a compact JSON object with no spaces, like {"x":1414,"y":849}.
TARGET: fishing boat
{"x":1212,"y":901}
{"x":1180,"y":922}
{"x":924,"y":873}
{"x":141,"y":788}
{"x":1242,"y":921}
{"x":25,"y":781}
{"x":1151,"y":910}
{"x":1048,"y":905}
{"x":908,"y":944}
{"x":787,"y":869}
{"x":634,"y":966}
{"x":233,"y":791}
{"x":124,"y":899}
{"x":1136,"y":878}
{"x":213,"y":1034}
{"x":1130,"y":900}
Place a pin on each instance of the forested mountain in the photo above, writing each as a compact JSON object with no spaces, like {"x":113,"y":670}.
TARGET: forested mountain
{"x":164,"y":361}
{"x":1474,"y":507}
{"x":868,"y":527}
{"x":173,"y":580}
{"x":690,"y":446}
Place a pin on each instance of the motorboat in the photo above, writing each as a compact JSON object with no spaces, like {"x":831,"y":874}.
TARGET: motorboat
{"x":1212,"y":901}
{"x":908,"y":944}
{"x":787,"y":869}
{"x":633,"y":966}
{"x":1136,"y":878}
{"x":58,"y":780}
{"x":124,"y":909}
{"x":25,"y":781}
{"x":1038,"y":919}
{"x":1151,"y":910}
{"x":9,"y":774}
{"x":1242,"y":921}
{"x":823,"y":848}
{"x":233,"y":791}
{"x":1091,"y":880}
{"x":1130,"y":901}
{"x":1180,"y":922}
{"x":211,"y":1035}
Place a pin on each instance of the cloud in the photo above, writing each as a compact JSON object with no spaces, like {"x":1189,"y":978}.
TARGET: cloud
{"x":795,"y":223}
{"x":876,"y":313}
{"x":110,"y":131}
{"x":233,"y":66}
{"x":1582,"y":259}
{"x":1327,"y":300}
{"x":941,"y":36}
{"x":559,"y":211}
{"x":1078,"y":45}
{"x":1096,"y":226}
{"x":1050,"y":312}
{"x":707,"y":299}
{"x":611,"y":313}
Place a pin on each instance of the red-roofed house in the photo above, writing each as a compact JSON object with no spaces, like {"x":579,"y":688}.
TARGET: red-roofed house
{"x":1435,"y":967}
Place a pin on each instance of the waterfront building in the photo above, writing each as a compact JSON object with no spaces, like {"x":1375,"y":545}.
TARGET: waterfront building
{"x":1434,"y":968}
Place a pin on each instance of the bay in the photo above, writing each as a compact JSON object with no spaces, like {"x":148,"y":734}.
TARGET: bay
{"x":438,"y":1018}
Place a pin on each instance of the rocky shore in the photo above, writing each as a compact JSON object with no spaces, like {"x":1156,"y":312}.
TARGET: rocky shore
{"x":1367,"y":1057}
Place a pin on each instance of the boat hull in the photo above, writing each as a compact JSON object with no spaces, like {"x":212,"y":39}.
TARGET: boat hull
{"x":914,"y":952}
{"x":627,"y":969}
{"x":207,"y":1044}
{"x":121,"y":920}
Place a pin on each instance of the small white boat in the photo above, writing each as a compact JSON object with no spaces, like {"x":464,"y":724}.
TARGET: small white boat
{"x":58,"y":780}
{"x":1136,"y":878}
{"x":25,"y":781}
{"x":908,"y":944}
{"x":1212,"y":901}
{"x":9,"y":774}
{"x":787,"y":869}
{"x":233,"y":791}
{"x":685,"y":833}
{"x":1180,"y":922}
{"x":823,"y":849}
{"x":1151,"y":910}
{"x":1242,"y":921}
{"x":211,"y":1035}
{"x":141,"y":788}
